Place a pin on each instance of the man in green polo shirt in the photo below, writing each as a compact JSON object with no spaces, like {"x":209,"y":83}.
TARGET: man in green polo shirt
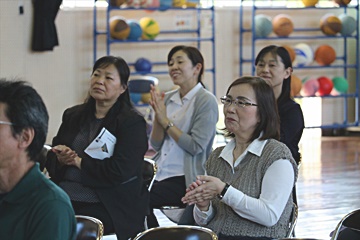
{"x":31,"y":206}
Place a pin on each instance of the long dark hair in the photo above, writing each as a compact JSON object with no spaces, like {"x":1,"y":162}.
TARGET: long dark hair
{"x":285,"y":58}
{"x":193,"y":54}
{"x":269,"y":123}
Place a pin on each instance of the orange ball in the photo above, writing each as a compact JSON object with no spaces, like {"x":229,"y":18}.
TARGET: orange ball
{"x":325,"y":55}
{"x":282,"y":25}
{"x":330,"y":24}
{"x":291,"y":52}
{"x":296,"y":85}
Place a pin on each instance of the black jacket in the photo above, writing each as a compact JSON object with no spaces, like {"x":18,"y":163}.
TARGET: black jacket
{"x":126,"y":201}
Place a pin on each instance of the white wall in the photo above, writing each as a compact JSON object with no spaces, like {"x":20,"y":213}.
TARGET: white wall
{"x":61,"y":76}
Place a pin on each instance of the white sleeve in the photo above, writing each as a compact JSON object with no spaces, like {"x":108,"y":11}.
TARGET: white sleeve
{"x":276,"y":188}
{"x":203,"y":217}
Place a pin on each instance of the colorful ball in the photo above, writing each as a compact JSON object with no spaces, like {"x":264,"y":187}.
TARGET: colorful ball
{"x":340,"y":84}
{"x":119,"y":29}
{"x":330,"y":24}
{"x":325,"y":55}
{"x":310,"y":87}
{"x":325,"y":86}
{"x":135,"y":30}
{"x":150,"y":28}
{"x":310,"y":3}
{"x":143,"y":65}
{"x":291,"y":52}
{"x":133,"y":3}
{"x":304,"y":55}
{"x":282,"y":25}
{"x":342,"y":2}
{"x":263,"y":25}
{"x":149,"y":3}
{"x":348,"y":24}
{"x":296,"y":85}
{"x":116,"y":3}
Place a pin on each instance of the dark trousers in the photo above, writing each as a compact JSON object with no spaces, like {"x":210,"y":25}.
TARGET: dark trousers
{"x":96,"y":210}
{"x":167,"y":192}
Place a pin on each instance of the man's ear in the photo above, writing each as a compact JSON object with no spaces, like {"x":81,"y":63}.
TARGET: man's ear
{"x":26,"y":137}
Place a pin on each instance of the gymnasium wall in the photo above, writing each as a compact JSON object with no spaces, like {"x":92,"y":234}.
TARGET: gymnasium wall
{"x":61,"y":76}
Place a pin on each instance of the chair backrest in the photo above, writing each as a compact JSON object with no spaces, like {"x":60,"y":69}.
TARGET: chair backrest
{"x":183,"y":232}
{"x":149,"y":172}
{"x":141,"y":84}
{"x":88,"y":228}
{"x":350,"y":220}
{"x":293,"y":221}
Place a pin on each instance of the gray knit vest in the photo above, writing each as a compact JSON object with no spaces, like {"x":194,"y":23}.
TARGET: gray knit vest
{"x":247,"y":177}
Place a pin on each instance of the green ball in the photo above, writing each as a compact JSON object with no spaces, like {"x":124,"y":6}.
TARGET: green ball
{"x":340,"y":84}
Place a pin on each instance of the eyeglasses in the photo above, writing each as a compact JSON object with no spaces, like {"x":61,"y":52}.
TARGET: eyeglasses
{"x":6,"y":123}
{"x":228,"y":101}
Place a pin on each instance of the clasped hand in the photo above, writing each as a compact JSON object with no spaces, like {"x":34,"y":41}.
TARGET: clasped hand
{"x":204,"y":189}
{"x":66,"y":155}
{"x":158,"y":105}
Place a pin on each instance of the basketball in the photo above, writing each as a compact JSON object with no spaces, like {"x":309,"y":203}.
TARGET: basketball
{"x":348,"y":24}
{"x":325,"y":55}
{"x":310,"y":87}
{"x":119,"y":29}
{"x":310,"y":3}
{"x":117,"y":3}
{"x":282,"y":25}
{"x":340,"y":84}
{"x":143,"y":65}
{"x":304,"y":55}
{"x":263,"y":25}
{"x":291,"y":52}
{"x":330,"y":24}
{"x":342,"y":2}
{"x":325,"y":86}
{"x":135,"y":30}
{"x":150,"y":28}
{"x":296,"y":85}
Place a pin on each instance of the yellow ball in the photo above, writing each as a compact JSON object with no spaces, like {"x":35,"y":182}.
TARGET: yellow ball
{"x":310,"y":3}
{"x":179,"y":3}
{"x":146,"y":97}
{"x":149,"y":27}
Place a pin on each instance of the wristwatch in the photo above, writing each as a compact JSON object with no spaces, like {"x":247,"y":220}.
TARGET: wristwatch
{"x":221,"y":195}
{"x":170,"y":124}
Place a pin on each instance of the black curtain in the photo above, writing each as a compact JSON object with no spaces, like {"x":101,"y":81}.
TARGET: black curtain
{"x":44,"y":30}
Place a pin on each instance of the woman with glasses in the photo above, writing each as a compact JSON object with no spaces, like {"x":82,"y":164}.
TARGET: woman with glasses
{"x":183,"y":129}
{"x":246,"y":193}
{"x":273,"y":64}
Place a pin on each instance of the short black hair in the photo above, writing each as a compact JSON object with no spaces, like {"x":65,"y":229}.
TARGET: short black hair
{"x":26,"y":109}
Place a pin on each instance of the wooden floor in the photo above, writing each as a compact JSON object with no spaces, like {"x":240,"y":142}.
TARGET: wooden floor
{"x":328,"y":186}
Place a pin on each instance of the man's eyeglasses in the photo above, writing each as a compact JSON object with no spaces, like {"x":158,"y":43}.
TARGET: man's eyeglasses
{"x":228,"y":101}
{"x":6,"y":123}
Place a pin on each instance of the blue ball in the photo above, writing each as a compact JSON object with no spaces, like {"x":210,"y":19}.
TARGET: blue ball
{"x":135,"y":30}
{"x":165,"y":4}
{"x":263,"y":25}
{"x":348,"y":24}
{"x":135,"y":97}
{"x":143,"y":65}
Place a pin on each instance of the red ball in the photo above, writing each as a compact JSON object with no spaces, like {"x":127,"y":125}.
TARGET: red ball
{"x":325,"y":55}
{"x":325,"y":86}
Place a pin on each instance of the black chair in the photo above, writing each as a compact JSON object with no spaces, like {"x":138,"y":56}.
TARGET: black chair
{"x":88,"y":228}
{"x":350,"y":220}
{"x":182,"y":232}
{"x":293,"y":221}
